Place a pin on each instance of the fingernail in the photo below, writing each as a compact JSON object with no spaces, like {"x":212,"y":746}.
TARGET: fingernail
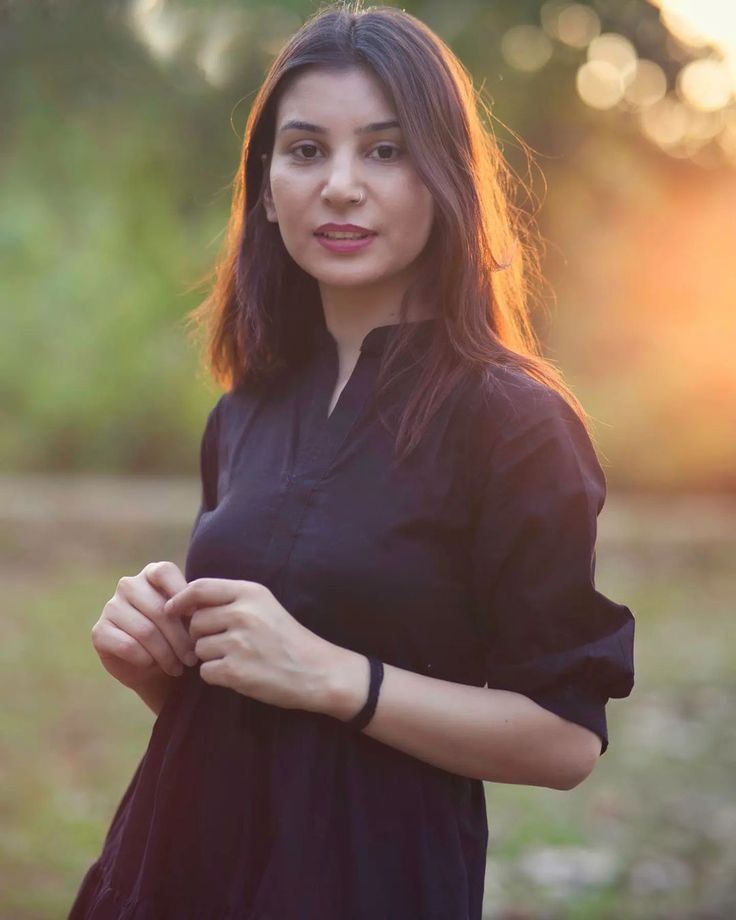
{"x":191,"y":659}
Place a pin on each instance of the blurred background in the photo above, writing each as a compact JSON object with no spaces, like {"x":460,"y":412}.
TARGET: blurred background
{"x":120,"y":129}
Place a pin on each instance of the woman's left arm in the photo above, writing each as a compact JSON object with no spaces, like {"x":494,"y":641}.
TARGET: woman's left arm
{"x":488,"y":734}
{"x":555,"y":648}
{"x":250,"y":643}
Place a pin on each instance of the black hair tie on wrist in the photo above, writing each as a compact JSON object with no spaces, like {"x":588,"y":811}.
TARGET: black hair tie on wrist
{"x":359,"y":721}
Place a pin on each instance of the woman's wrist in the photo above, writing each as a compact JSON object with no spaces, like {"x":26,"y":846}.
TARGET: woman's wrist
{"x":347,"y":679}
{"x":364,"y":716}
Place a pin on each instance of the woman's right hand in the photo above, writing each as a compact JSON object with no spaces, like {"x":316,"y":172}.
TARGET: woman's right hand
{"x":136,"y":642}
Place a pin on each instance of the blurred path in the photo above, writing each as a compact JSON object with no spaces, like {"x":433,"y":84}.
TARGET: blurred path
{"x":88,"y":498}
{"x":173,"y":501}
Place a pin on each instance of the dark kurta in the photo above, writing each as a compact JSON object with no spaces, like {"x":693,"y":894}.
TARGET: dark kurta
{"x":471,"y":562}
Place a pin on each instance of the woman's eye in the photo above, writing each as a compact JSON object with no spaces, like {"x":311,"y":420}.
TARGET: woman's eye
{"x":302,"y":147}
{"x":389,"y":147}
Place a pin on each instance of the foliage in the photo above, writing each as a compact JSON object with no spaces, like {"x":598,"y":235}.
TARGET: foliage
{"x":117,"y":156}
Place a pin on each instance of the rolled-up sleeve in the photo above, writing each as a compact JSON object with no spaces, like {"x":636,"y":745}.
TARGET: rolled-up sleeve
{"x":547,"y":631}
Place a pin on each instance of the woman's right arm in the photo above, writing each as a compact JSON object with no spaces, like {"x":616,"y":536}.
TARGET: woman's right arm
{"x":138,"y":644}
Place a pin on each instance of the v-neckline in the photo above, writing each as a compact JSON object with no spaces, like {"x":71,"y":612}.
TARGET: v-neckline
{"x":330,"y":412}
{"x":327,"y":430}
{"x":339,"y":392}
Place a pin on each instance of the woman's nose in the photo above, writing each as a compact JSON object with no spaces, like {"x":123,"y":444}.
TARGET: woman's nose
{"x":343,"y":182}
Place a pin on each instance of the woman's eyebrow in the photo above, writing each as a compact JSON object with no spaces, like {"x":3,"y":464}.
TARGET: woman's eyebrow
{"x":318,"y":129}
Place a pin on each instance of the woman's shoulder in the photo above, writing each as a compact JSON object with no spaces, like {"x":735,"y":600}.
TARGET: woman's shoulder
{"x":518,"y":420}
{"x":507,"y":400}
{"x":232,"y":403}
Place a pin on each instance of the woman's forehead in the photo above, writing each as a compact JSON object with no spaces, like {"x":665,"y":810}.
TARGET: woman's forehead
{"x":343,"y":95}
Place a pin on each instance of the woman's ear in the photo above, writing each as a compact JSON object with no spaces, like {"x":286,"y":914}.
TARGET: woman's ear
{"x":267,"y":198}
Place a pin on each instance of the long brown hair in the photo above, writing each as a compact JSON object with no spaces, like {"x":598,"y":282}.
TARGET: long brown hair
{"x":481,"y":262}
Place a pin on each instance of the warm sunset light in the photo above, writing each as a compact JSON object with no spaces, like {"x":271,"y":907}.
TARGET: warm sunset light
{"x":702,"y":106}
{"x":681,"y":115}
{"x":704,"y":22}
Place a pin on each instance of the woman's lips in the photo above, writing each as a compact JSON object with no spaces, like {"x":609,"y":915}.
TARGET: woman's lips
{"x":344,"y":245}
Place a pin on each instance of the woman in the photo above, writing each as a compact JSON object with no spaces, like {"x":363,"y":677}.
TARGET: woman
{"x":399,"y":502}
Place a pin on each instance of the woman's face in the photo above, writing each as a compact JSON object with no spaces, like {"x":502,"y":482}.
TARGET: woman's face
{"x":317,"y":175}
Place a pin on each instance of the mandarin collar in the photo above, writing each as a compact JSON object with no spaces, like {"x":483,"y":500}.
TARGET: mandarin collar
{"x":375,"y":339}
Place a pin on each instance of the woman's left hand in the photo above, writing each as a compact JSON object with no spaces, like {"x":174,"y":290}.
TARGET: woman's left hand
{"x":247,"y":641}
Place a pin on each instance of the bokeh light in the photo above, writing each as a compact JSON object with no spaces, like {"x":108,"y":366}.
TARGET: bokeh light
{"x":683,"y":115}
{"x":701,"y":23}
{"x":617,"y":51}
{"x":666,"y":122}
{"x":647,"y":85}
{"x":526,"y":47}
{"x":705,"y":84}
{"x":216,"y":55}
{"x":611,"y":66}
{"x":163,"y":30}
{"x":577,"y":25}
{"x":599,"y":84}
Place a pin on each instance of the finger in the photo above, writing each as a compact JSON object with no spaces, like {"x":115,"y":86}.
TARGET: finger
{"x":209,"y":621}
{"x":210,"y":648}
{"x":202,"y":592}
{"x":144,"y":597}
{"x":113,"y":641}
{"x":215,"y":672}
{"x":166,"y":577}
{"x":145,"y":631}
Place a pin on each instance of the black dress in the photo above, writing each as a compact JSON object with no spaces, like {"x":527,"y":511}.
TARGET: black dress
{"x":471,"y":562}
